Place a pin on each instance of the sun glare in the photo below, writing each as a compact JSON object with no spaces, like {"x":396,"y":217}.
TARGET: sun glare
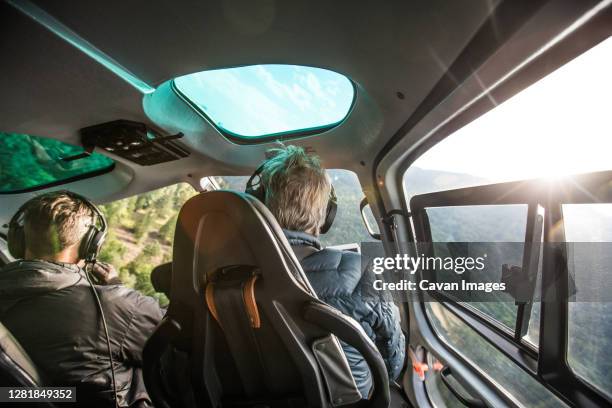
{"x":559,"y":126}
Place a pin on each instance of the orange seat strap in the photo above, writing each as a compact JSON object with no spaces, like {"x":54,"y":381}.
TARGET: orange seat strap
{"x":250,"y":302}
{"x":210,"y":300}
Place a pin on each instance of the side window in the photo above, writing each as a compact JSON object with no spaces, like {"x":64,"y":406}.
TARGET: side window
{"x":455,"y":196}
{"x":141,"y":233}
{"x":348,"y":227}
{"x":488,"y":360}
{"x":588,"y":231}
{"x":497,"y":231}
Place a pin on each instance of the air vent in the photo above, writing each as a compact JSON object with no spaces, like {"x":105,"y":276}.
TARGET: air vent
{"x":133,"y":141}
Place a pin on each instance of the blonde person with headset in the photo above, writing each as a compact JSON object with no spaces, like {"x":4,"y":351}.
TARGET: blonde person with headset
{"x":295,"y":187}
{"x":72,"y":328}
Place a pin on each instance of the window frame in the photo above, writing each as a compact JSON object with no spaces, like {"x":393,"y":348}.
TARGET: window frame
{"x":520,"y":352}
{"x":279,"y":136}
{"x":71,"y":179}
{"x":548,"y":365}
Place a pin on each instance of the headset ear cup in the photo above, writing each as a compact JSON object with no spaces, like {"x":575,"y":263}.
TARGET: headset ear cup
{"x":254,"y":185}
{"x":96,"y":243}
{"x":16,"y":234}
{"x":16,"y":241}
{"x":84,"y":248}
{"x":330,"y":214}
{"x":91,"y":243}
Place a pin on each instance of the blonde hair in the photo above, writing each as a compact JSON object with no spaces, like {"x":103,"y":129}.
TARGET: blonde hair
{"x":297,"y":189}
{"x":55,"y":221}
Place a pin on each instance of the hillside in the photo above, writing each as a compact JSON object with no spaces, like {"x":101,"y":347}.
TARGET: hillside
{"x":421,"y":181}
{"x":141,"y":231}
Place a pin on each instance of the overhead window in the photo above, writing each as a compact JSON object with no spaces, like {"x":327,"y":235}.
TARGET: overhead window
{"x":32,"y":162}
{"x":260,"y":101}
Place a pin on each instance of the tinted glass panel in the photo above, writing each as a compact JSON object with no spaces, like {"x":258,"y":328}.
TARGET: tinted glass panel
{"x":29,"y":162}
{"x":518,"y":385}
{"x":261,"y":100}
{"x":589,"y":229}
{"x":499,"y":230}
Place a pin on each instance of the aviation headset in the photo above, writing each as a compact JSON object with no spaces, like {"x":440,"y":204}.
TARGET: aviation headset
{"x":256,"y":188}
{"x":90,"y":243}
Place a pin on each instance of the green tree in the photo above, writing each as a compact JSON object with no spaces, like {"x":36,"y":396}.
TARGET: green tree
{"x":112,"y":251}
{"x":166,"y":232}
{"x":142,"y":226}
{"x":152,"y":250}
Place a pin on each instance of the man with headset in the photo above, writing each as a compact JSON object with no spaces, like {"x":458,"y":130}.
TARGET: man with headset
{"x":296,"y":189}
{"x":72,"y":329}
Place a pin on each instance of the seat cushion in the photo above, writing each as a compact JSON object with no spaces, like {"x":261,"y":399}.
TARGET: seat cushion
{"x":15,"y":364}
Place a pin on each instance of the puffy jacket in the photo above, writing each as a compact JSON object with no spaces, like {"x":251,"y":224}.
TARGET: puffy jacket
{"x":339,"y":279}
{"x":51,"y":311}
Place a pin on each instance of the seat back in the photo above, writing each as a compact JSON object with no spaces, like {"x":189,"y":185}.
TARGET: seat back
{"x":244,"y":326}
{"x":16,"y":367}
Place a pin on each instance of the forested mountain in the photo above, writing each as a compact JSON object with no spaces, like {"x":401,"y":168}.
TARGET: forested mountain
{"x":141,"y":231}
{"x":421,"y":181}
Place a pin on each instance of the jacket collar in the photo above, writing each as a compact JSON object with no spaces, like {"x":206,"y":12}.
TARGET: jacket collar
{"x":302,"y":238}
{"x":33,"y":277}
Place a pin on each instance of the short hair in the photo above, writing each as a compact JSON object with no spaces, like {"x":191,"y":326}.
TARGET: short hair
{"x":297,"y":189}
{"x":55,"y":221}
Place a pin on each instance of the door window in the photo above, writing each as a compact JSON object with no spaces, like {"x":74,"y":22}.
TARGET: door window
{"x":588,"y":231}
{"x":489,"y":361}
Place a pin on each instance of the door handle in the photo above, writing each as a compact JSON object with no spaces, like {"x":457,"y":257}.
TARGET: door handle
{"x":459,"y":390}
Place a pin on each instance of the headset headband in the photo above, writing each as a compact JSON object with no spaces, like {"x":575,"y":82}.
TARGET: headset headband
{"x":90,"y":242}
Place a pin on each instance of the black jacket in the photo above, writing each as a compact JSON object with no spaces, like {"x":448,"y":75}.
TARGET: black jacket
{"x":339,"y":278}
{"x":51,"y":311}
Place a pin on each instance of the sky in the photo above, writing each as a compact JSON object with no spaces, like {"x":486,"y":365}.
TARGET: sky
{"x":263,"y":99}
{"x":558,"y":126}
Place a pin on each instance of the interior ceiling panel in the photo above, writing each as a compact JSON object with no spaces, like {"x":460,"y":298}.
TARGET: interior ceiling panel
{"x":158,"y":40}
{"x":386,"y":46}
{"x":50,"y":88}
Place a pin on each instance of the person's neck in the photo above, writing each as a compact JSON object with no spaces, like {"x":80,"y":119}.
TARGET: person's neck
{"x":66,"y":256}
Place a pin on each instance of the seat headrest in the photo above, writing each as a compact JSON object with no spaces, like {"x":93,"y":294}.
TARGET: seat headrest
{"x":222,"y":228}
{"x":161,"y":278}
